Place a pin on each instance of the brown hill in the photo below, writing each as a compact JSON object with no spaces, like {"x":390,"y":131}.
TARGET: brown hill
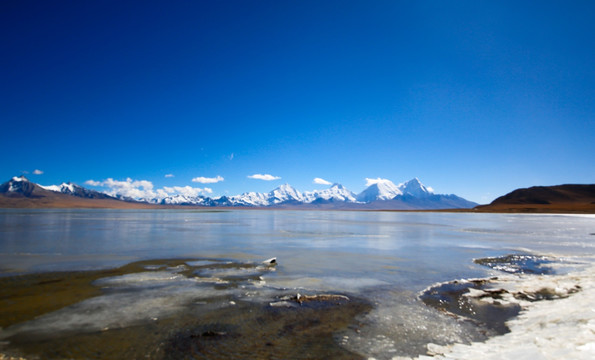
{"x":559,"y":198}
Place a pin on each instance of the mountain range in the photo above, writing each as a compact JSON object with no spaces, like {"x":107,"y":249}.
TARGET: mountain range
{"x":380,"y":195}
{"x":411,"y":195}
{"x":19,"y":192}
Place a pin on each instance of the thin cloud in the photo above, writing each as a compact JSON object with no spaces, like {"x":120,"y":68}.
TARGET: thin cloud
{"x":169,"y":175}
{"x":93,"y":183}
{"x":206,"y":180}
{"x":231,"y":156}
{"x":37,"y":172}
{"x":265,"y":177}
{"x":320,"y":181}
{"x":376,"y":181}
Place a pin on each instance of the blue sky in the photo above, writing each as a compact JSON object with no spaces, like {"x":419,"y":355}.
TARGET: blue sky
{"x":475,"y":98}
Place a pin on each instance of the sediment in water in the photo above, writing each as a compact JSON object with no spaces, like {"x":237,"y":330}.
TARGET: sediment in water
{"x":225,"y":314}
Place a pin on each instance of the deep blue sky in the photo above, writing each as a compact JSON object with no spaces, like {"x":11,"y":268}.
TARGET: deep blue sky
{"x":475,"y":98}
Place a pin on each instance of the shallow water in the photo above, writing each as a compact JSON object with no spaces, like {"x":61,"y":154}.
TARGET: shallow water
{"x":208,"y":302}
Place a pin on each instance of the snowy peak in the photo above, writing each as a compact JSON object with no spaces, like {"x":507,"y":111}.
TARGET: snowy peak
{"x":285,"y":193}
{"x":414,"y":187}
{"x":19,"y":179}
{"x":336,"y":193}
{"x":249,"y":199}
{"x":383,"y":189}
{"x":18,"y":185}
{"x":379,"y":189}
{"x":76,"y":190}
{"x":66,"y":188}
{"x":180,"y":199}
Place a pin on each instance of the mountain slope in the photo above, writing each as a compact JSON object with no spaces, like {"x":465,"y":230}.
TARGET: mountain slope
{"x":549,"y":195}
{"x":19,"y":192}
{"x":381,"y":189}
{"x":20,"y":186}
{"x":414,"y":187}
{"x":284,"y":194}
{"x":336,"y":193}
{"x":76,"y":190}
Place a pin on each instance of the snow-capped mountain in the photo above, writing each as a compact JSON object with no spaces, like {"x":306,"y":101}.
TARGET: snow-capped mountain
{"x":19,"y":185}
{"x":285,"y":193}
{"x":414,"y":187}
{"x":380,"y":194}
{"x":383,"y":189}
{"x":336,"y":193}
{"x":76,"y":190}
{"x":288,"y":195}
{"x":180,"y":199}
{"x":249,"y":199}
{"x":379,"y":189}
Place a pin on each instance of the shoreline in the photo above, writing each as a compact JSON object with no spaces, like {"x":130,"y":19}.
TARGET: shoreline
{"x":561,"y":323}
{"x":556,"y":321}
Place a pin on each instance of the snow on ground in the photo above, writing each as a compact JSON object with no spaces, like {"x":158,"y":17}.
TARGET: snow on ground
{"x":562,"y":328}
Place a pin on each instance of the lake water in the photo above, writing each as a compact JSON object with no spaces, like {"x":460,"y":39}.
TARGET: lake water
{"x":382,"y":259}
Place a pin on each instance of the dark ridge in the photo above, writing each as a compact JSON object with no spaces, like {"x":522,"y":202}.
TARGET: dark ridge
{"x":549,"y":195}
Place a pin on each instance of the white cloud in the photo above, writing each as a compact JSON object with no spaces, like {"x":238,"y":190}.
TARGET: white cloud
{"x":320,"y":181}
{"x":265,"y":177}
{"x":37,"y":172}
{"x":93,"y":183}
{"x":206,"y":180}
{"x":430,"y":189}
{"x":144,"y":189}
{"x":169,"y":175}
{"x":376,"y":181}
{"x":231,"y":156}
{"x":136,"y":189}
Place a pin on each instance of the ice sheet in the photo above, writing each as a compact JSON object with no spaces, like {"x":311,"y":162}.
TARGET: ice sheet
{"x":563,"y":328}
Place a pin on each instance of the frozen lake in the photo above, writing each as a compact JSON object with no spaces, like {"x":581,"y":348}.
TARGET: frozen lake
{"x":385,"y":259}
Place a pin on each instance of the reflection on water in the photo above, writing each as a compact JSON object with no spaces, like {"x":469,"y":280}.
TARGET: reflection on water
{"x":381,"y":260}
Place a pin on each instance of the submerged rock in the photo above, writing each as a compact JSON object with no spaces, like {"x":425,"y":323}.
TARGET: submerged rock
{"x":322,"y":297}
{"x":290,"y":301}
{"x":271,"y":261}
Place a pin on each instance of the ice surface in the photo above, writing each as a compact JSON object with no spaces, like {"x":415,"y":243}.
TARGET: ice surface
{"x":142,"y":297}
{"x":327,"y":283}
{"x":559,"y":329}
{"x":131,"y":299}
